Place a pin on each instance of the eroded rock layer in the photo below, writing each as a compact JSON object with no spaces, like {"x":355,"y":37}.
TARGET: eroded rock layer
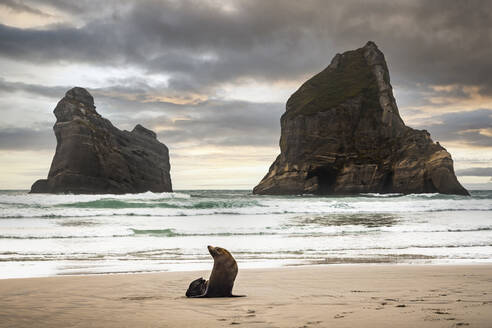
{"x":93,"y":156}
{"x":342,"y":134}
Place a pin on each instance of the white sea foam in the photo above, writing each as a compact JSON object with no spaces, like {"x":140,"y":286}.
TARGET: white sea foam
{"x":183,"y":204}
{"x":66,"y":234}
{"x":23,"y":198}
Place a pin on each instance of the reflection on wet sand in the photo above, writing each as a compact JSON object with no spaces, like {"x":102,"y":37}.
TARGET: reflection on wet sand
{"x":367,"y":220}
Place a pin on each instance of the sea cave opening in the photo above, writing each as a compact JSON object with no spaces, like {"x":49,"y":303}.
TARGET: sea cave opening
{"x":326,"y":179}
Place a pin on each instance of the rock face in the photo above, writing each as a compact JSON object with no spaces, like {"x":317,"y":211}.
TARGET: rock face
{"x":342,"y":134}
{"x":92,"y":156}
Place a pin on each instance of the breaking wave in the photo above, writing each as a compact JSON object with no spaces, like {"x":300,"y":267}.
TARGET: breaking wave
{"x":239,"y":203}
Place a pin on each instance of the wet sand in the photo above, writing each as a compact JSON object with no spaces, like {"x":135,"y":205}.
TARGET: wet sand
{"x":315,"y":296}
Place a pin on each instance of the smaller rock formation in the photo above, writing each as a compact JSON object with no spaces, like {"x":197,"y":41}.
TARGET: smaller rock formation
{"x":342,"y":133}
{"x":94,"y":157}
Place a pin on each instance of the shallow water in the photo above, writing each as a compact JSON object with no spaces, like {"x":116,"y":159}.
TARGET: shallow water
{"x":44,"y":235}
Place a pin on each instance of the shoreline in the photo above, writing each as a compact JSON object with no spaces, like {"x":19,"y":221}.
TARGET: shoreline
{"x":409,"y":295}
{"x":287,"y":266}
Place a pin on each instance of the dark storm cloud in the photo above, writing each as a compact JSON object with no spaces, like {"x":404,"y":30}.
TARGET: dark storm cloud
{"x":466,"y":127}
{"x":63,"y":44}
{"x":199,"y":46}
{"x":438,"y":42}
{"x":194,"y":43}
{"x":476,"y":171}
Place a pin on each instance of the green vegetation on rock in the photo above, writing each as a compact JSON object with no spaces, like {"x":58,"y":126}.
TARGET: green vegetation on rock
{"x":334,"y":86}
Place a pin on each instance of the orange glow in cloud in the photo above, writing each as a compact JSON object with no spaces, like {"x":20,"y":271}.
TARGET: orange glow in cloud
{"x":450,"y":103}
{"x":38,"y":18}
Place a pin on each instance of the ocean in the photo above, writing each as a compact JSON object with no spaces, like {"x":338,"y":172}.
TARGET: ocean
{"x":47,"y":235}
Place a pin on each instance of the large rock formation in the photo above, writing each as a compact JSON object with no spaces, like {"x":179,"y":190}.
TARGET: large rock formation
{"x":342,"y":134}
{"x":92,"y":156}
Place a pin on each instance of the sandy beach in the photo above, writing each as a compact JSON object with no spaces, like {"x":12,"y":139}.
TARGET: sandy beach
{"x":315,"y":296}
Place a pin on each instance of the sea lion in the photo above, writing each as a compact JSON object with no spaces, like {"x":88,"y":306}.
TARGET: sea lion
{"x":221,"y":279}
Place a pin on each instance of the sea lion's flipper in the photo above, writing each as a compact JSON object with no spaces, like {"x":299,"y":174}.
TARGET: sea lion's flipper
{"x":203,"y":292}
{"x":197,"y":287}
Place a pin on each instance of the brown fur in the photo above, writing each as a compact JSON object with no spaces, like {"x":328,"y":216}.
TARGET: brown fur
{"x":223,"y":274}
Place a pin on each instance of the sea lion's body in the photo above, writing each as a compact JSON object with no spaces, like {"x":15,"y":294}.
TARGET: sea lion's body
{"x":222,"y":277}
{"x":223,"y":273}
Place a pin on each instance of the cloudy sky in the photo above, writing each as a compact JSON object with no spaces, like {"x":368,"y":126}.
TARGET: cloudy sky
{"x":212,"y":77}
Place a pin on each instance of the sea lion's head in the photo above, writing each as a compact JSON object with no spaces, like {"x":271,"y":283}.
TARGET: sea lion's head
{"x":218,"y":251}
